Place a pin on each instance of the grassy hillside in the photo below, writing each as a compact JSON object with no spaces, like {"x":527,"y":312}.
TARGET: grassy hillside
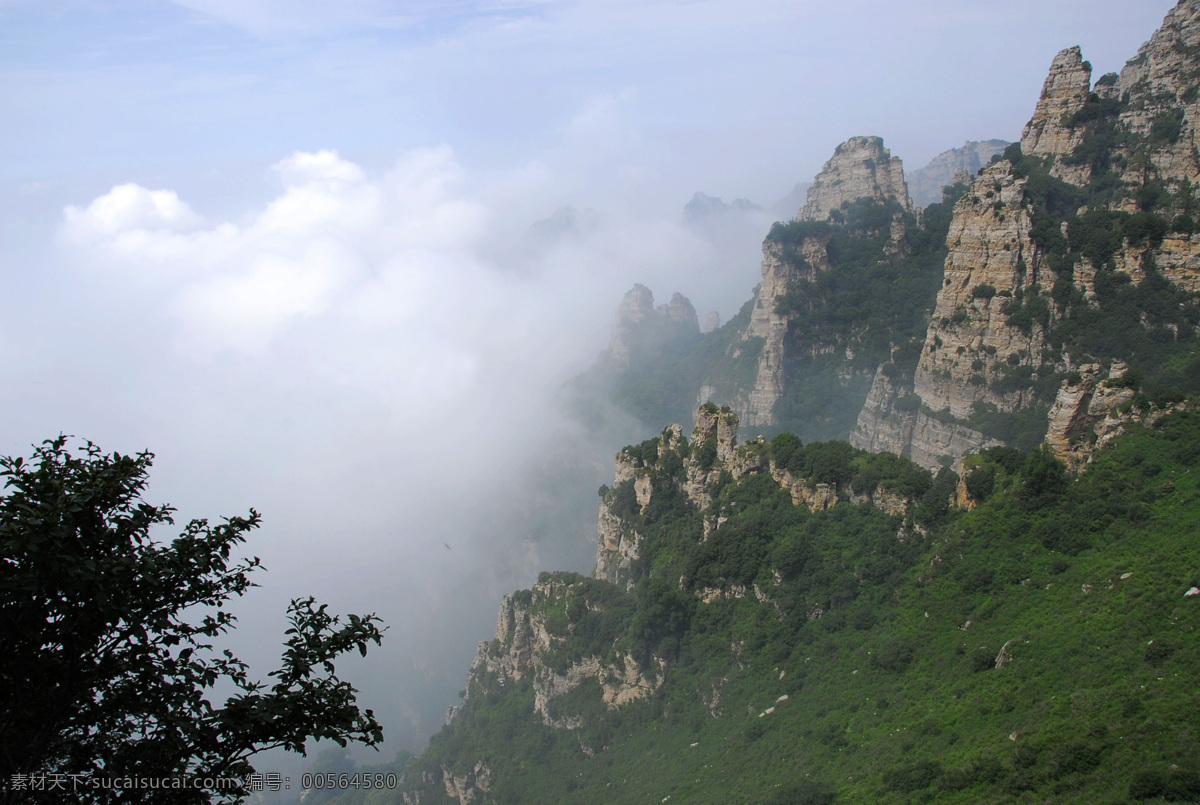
{"x":1038,"y":648}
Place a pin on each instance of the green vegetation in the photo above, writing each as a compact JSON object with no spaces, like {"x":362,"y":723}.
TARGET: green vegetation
{"x":1036,"y":648}
{"x":869,"y":308}
{"x":108,"y":670}
{"x":1150,"y":325}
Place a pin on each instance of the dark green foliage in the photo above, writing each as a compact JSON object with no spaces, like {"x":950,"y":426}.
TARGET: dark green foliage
{"x":1045,"y":479}
{"x":828,"y":462}
{"x":108,"y":665}
{"x":788,"y":452}
{"x":895,"y":655}
{"x":981,"y":481}
{"x":909,"y":778}
{"x":1166,"y":128}
{"x":706,"y":454}
{"x":983,"y":291}
{"x":662,"y":612}
{"x":935,"y":503}
{"x":803,"y":793}
{"x":623,"y":500}
{"x":1174,"y":785}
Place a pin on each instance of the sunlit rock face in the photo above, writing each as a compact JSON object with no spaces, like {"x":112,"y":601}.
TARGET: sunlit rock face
{"x":1049,"y":133}
{"x":526,"y":634}
{"x":1151,"y":111}
{"x":861,"y":167}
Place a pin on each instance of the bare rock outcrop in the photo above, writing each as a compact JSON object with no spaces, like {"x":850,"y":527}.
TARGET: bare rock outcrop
{"x":861,"y":167}
{"x":524,"y":637}
{"x":970,"y":347}
{"x":1049,"y":133}
{"x":991,"y":260}
{"x":883,"y":425}
{"x":1161,"y":83}
{"x":714,"y":440}
{"x":473,"y":786}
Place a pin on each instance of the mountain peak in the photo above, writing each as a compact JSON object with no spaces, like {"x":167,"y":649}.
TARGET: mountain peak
{"x":861,"y":167}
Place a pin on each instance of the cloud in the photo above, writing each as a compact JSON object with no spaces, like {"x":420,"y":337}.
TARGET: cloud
{"x":129,"y":208}
{"x":371,"y":356}
{"x":332,"y":235}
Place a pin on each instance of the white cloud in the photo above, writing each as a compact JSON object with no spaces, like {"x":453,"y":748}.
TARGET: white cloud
{"x":333,"y":240}
{"x":371,"y":357}
{"x":127,"y":208}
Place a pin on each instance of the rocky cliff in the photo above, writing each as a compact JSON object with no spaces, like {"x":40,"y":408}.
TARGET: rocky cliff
{"x":860,"y":168}
{"x":530,"y":626}
{"x":958,"y":328}
{"x":712,"y":455}
{"x":1100,"y":190}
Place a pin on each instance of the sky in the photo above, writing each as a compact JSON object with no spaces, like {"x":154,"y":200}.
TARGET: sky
{"x":291,"y":247}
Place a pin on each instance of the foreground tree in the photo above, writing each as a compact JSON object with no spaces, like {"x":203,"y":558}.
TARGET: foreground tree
{"x":106,"y":669}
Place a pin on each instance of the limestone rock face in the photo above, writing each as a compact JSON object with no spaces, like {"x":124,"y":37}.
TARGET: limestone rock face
{"x":970,"y":348}
{"x":860,"y":168}
{"x":758,"y":402}
{"x":1065,"y":92}
{"x":1160,"y":81}
{"x":617,"y":548}
{"x":928,"y":440}
{"x":473,"y":786}
{"x":969,"y":345}
{"x":520,"y":647}
{"x":1087,"y":410}
{"x":635,"y":308}
{"x":619,"y":543}
{"x":950,"y":167}
{"x":881,"y":427}
{"x":991,"y":258}
{"x":680,"y":311}
{"x":717,"y":429}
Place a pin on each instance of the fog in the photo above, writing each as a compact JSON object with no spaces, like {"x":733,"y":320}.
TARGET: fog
{"x":335,"y":261}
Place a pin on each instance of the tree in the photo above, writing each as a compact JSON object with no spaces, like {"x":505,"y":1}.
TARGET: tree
{"x":107,"y":671}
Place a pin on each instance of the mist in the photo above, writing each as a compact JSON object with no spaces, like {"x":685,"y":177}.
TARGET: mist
{"x":336,"y":265}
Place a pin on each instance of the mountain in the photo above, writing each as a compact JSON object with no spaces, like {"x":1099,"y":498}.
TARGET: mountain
{"x":949,"y":167}
{"x":939,"y":546}
{"x":781,"y":622}
{"x":1052,"y":295}
{"x":702,"y":208}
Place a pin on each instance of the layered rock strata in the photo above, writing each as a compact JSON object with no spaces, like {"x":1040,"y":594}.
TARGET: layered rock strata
{"x":1150,"y":113}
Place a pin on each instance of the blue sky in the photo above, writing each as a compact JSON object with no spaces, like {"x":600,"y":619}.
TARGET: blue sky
{"x":282,"y":243}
